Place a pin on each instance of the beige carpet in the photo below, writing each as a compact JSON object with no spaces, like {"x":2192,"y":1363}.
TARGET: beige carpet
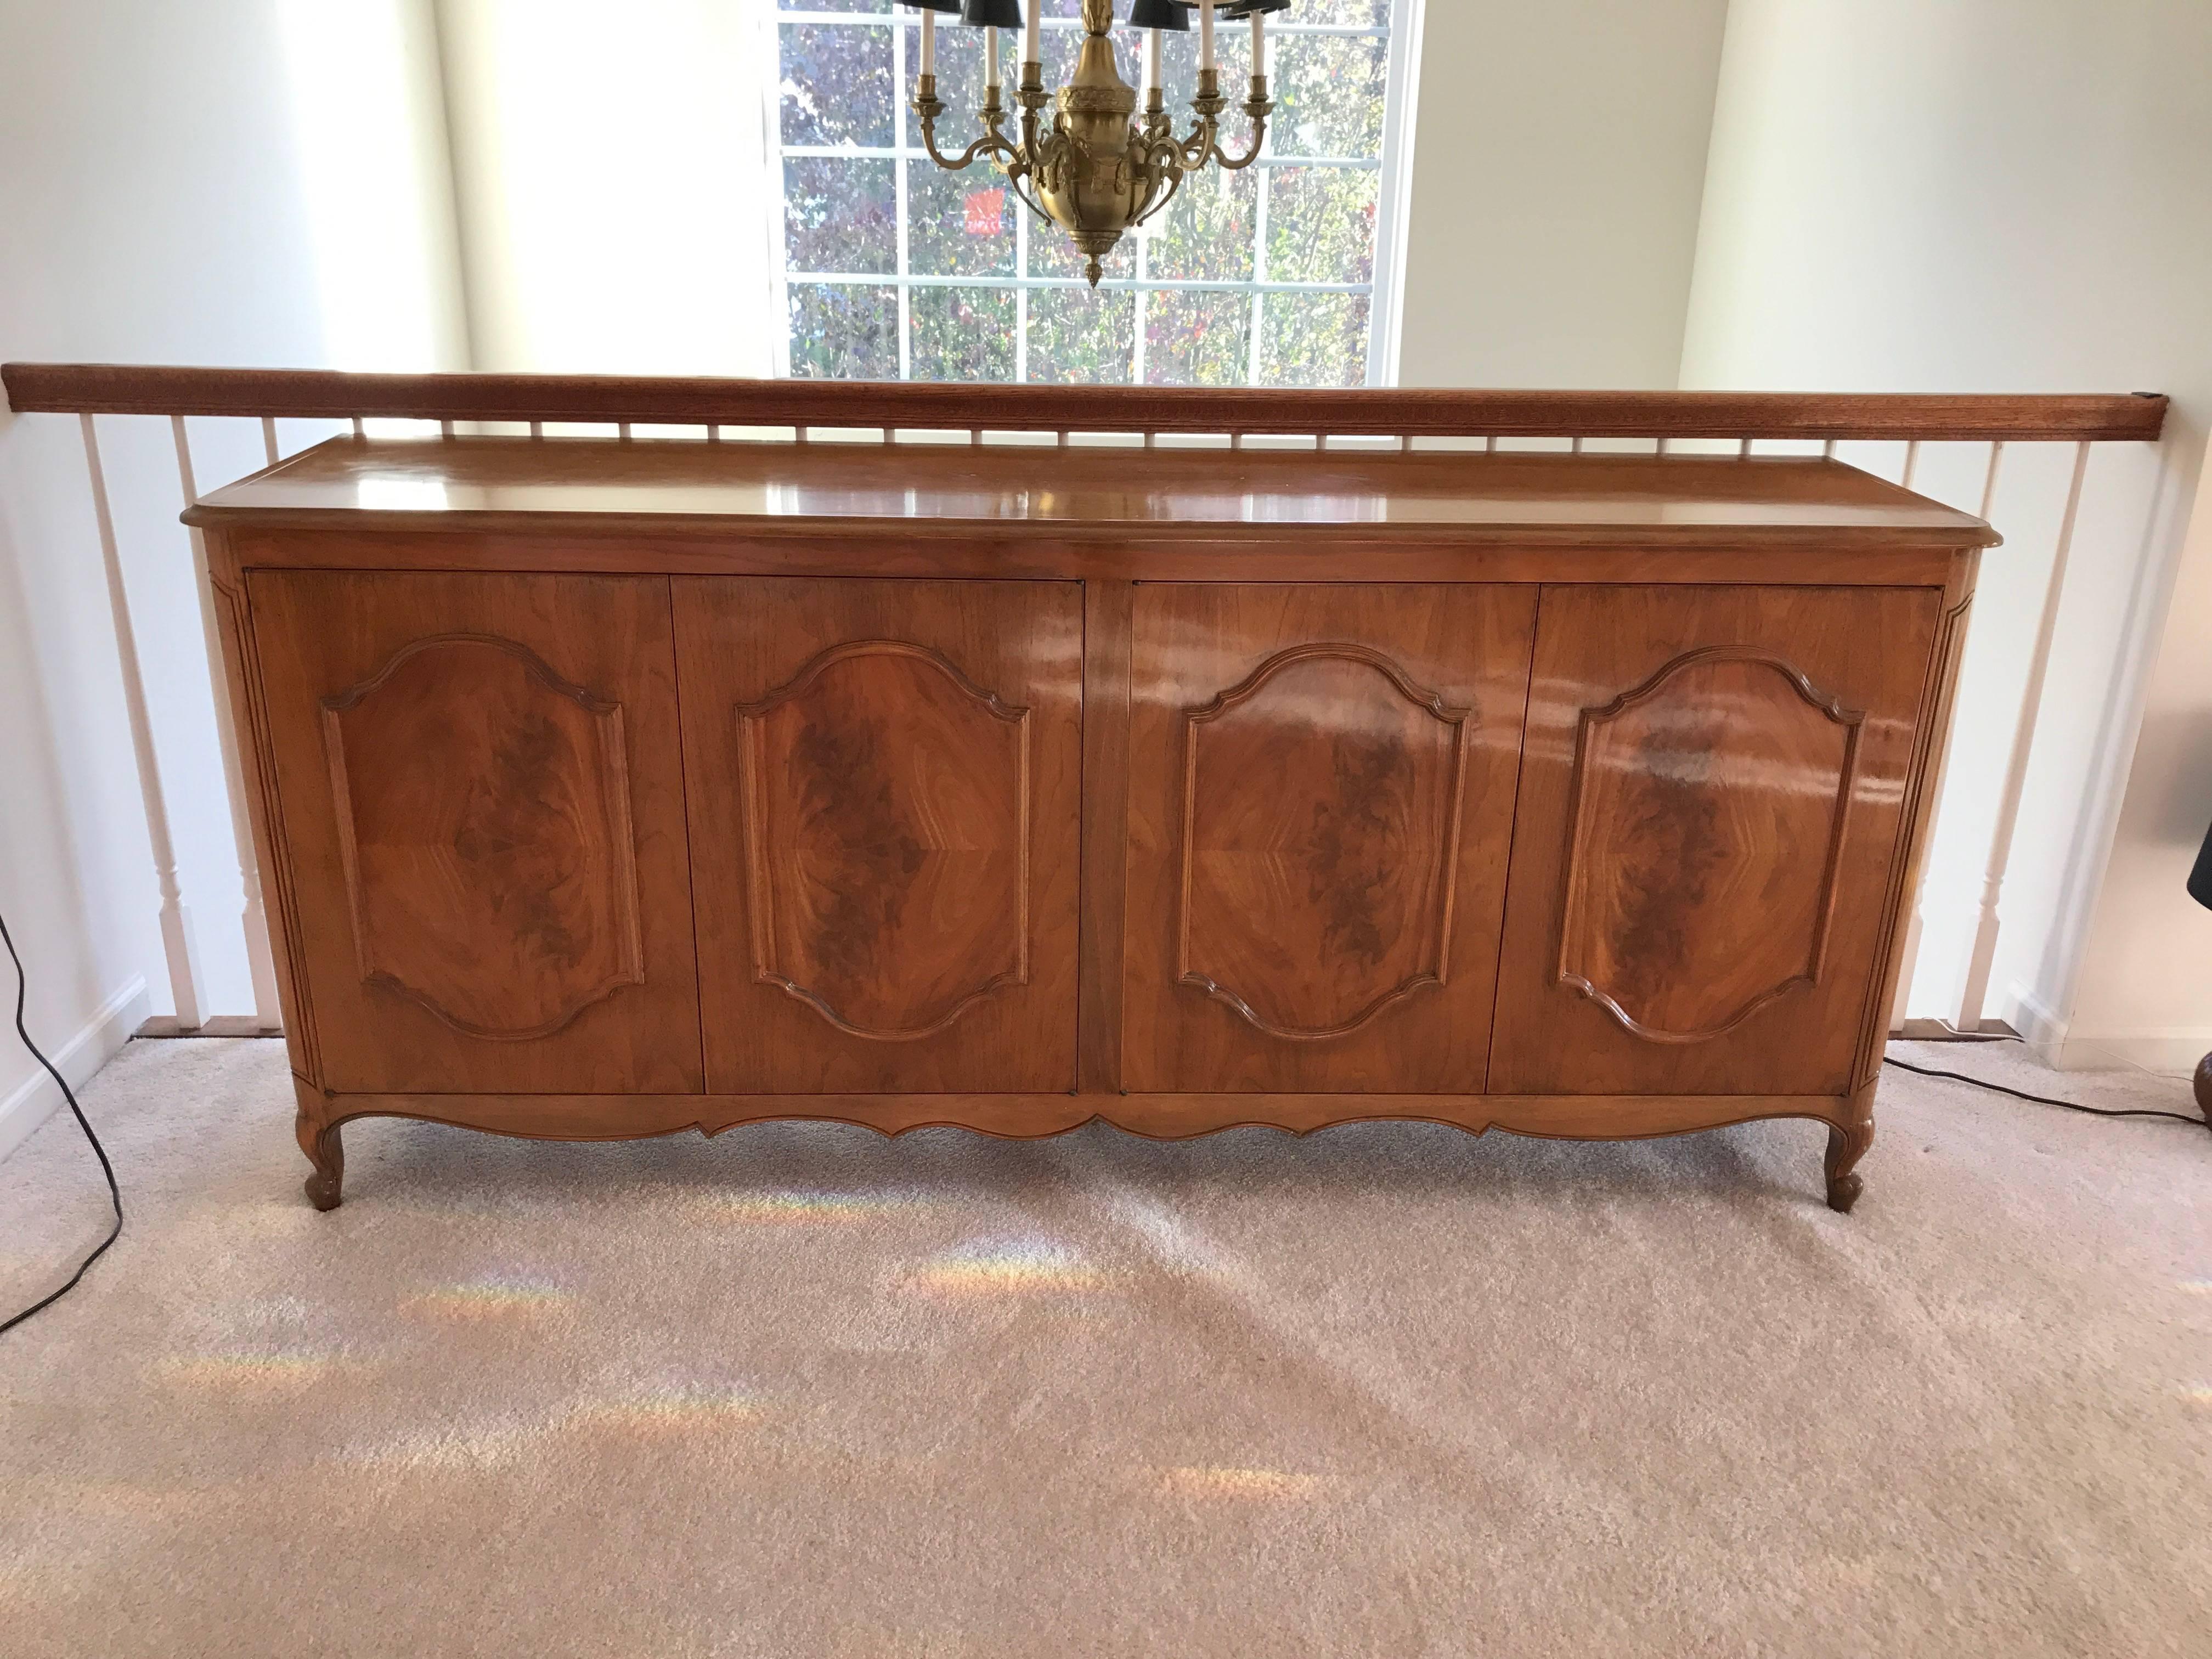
{"x":1387,"y":1391}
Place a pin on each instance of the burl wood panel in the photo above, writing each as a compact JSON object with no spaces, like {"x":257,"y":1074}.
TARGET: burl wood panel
{"x":1711,"y":806}
{"x":1321,"y":784}
{"x":483,"y":796}
{"x":884,"y":781}
{"x":482,"y":808}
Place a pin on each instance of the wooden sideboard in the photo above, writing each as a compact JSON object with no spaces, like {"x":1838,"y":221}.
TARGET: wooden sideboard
{"x":607,"y":789}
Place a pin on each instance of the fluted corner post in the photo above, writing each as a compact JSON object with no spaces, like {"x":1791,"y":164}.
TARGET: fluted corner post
{"x":254,"y":916}
{"x":179,"y":948}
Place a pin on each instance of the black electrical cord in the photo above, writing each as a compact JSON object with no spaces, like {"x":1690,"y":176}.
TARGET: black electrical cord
{"x":2043,"y":1100}
{"x":114,"y":1193}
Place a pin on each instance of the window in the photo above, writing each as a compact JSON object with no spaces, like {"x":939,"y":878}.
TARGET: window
{"x":894,"y":269}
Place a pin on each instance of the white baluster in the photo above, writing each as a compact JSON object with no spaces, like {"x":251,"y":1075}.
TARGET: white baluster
{"x":178,"y":948}
{"x":254,"y":916}
{"x":269,"y":439}
{"x":1976,"y":995}
{"x":1916,"y":924}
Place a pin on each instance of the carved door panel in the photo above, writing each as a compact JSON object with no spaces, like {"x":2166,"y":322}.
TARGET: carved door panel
{"x":480,"y":797}
{"x":883,"y":778}
{"x":1709,"y":769}
{"x":1320,"y":804}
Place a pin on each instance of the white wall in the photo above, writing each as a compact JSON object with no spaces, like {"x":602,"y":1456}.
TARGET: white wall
{"x":1993,"y":195}
{"x":615,"y":202}
{"x":169,"y":192}
{"x":1558,"y":159}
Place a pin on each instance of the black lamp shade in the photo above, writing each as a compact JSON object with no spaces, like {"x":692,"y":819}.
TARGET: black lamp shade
{"x":2200,"y":878}
{"x":991,"y":14}
{"x":1170,"y":14}
{"x":931,"y":5}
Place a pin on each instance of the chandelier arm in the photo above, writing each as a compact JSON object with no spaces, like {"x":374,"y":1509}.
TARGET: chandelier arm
{"x":1025,"y":198}
{"x":1256,"y":108}
{"x":1194,"y":152}
{"x":1229,"y":163}
{"x":993,"y":143}
{"x":1173,"y":176}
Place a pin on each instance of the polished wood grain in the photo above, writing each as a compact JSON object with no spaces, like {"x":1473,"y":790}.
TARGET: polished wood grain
{"x":883,"y":782}
{"x":1107,"y":609}
{"x":1713,"y":776}
{"x":149,"y":389}
{"x":1607,"y":801}
{"x":658,"y":488}
{"x":1701,"y":798}
{"x":927,"y":550}
{"x":1322,"y":786}
{"x":1032,"y":1117}
{"x":885,"y":794}
{"x":482,"y":792}
{"x":482,"y":814}
{"x":1310,"y":903}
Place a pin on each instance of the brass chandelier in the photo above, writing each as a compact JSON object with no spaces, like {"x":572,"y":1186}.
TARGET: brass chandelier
{"x":1095,"y":169}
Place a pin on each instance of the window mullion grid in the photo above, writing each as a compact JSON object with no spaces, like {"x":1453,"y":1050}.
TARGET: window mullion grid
{"x":904,"y":280}
{"x":1021,"y":277}
{"x":1259,"y":183}
{"x":1144,"y":297}
{"x":899,"y":214}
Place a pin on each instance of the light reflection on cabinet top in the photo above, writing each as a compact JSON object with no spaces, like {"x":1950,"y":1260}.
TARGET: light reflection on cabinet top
{"x":589,"y":484}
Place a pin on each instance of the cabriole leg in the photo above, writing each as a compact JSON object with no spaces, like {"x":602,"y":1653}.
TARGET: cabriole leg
{"x":1847,"y":1147}
{"x":327,"y":1153}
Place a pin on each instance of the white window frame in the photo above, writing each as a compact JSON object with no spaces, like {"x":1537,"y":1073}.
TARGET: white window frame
{"x":1385,"y":290}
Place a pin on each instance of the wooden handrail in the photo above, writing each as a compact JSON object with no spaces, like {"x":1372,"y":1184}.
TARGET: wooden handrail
{"x":308,"y":394}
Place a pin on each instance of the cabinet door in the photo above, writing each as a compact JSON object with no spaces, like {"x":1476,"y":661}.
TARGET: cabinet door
{"x":1320,"y":798}
{"x":1708,"y":846}
{"x":884,"y":779}
{"x":480,"y":794}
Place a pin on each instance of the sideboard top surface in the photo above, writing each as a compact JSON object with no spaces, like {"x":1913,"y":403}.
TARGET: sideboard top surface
{"x":586,"y":484}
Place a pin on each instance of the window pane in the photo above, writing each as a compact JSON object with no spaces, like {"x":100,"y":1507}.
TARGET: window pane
{"x":960,"y":87}
{"x":839,"y":213}
{"x":1197,"y":339}
{"x":960,"y":224}
{"x":837,"y":84}
{"x":962,"y":333}
{"x":1321,"y":224}
{"x":1314,"y":339}
{"x":836,"y":5}
{"x":1205,"y":234}
{"x":1328,"y":96}
{"x":844,"y":331}
{"x":1360,"y":14}
{"x":1079,"y":337}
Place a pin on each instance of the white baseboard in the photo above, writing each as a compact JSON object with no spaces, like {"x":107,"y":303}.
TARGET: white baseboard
{"x":2034,"y":1018}
{"x":93,"y":1045}
{"x":2174,"y":1050}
